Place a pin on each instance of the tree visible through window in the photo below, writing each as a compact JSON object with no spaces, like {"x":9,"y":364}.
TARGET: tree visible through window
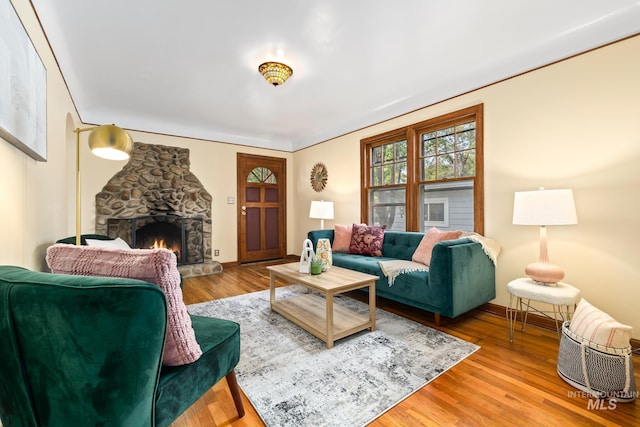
{"x":449,"y":152}
{"x":388,"y":172}
{"x":427,"y":174}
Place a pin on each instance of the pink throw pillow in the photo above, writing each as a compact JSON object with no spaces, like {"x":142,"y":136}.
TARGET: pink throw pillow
{"x":597,"y":326}
{"x":431,"y":237}
{"x":157,"y":266}
{"x":366,"y":240}
{"x":341,"y":237}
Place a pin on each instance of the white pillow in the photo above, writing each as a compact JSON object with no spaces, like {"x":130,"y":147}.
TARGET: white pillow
{"x":115,"y":243}
{"x":597,"y":326}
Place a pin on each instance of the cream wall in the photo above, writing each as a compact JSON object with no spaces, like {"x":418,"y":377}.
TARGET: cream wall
{"x":34,"y":193}
{"x":570,"y":125}
{"x":214,"y":164}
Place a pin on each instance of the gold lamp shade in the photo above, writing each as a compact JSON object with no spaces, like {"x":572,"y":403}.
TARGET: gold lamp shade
{"x":107,"y":141}
{"x":275,"y":73}
{"x":110,"y":142}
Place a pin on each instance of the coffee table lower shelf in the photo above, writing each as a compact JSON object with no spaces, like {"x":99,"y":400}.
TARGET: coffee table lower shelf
{"x":310,"y":311}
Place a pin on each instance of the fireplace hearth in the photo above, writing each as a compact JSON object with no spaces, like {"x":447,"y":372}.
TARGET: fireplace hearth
{"x":156,"y":195}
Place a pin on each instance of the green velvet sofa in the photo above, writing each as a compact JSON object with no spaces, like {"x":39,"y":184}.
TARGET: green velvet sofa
{"x":88,"y":351}
{"x":461,"y":276}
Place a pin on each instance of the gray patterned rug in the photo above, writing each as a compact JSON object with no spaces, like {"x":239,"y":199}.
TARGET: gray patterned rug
{"x":292,"y":379}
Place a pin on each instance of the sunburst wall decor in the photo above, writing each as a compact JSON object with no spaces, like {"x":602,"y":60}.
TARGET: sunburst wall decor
{"x":319,"y":176}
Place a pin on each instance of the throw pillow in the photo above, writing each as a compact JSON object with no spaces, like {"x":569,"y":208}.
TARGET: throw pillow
{"x":366,"y":240}
{"x":597,"y":326}
{"x":157,"y":266}
{"x":431,"y":237}
{"x":115,"y":243}
{"x":341,"y":237}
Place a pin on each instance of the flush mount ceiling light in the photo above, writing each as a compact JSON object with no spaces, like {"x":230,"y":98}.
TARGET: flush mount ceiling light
{"x":275,"y":73}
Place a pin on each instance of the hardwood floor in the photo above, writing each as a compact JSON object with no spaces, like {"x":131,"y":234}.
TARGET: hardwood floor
{"x":501,"y":384}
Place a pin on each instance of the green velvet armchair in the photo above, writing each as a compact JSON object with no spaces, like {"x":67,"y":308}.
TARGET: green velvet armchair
{"x":87,"y":351}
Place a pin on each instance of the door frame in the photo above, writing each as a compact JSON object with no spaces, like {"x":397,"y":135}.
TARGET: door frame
{"x":282,"y":197}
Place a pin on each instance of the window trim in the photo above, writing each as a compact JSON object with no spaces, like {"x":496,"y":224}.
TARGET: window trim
{"x":411,"y":134}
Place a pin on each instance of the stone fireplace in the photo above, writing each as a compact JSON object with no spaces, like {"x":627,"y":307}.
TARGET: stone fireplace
{"x":155,"y":201}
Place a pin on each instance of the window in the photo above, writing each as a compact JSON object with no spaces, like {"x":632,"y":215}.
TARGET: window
{"x":448,"y":153}
{"x":388,"y":175}
{"x":429,"y":174}
{"x":262,"y":175}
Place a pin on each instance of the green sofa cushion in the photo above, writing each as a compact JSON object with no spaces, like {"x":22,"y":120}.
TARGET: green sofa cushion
{"x":400,"y":244}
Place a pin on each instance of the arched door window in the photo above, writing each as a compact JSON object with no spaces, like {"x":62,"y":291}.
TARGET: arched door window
{"x":262,"y":175}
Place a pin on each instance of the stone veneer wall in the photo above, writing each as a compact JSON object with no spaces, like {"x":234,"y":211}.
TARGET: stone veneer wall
{"x":157,"y":180}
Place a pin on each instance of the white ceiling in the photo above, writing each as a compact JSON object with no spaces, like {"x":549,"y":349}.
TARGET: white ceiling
{"x":189,"y":68}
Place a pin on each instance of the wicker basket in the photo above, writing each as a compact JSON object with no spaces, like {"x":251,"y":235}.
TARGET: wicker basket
{"x":603,"y":372}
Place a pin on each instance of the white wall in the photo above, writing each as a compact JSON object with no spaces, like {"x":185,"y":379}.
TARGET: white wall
{"x":574,"y":125}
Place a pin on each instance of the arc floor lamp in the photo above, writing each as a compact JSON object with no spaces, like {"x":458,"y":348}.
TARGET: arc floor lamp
{"x":108,"y":142}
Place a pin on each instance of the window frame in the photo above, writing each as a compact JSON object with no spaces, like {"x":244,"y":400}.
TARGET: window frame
{"x":414,"y":180}
{"x":381,"y":140}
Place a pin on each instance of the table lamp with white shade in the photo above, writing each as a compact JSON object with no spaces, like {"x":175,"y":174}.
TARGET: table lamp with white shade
{"x":321,"y":210}
{"x":544,"y":207}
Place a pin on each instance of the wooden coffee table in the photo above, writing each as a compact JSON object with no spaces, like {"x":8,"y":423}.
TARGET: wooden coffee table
{"x":317,"y":315}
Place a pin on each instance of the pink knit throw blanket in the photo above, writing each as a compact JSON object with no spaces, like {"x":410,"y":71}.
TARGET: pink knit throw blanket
{"x":157,"y":266}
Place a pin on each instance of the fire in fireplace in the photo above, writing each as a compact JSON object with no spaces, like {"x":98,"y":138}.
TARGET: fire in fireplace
{"x":181,"y":235}
{"x":160,"y":234}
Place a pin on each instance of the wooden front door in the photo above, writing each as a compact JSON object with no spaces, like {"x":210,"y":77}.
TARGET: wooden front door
{"x":261,"y":208}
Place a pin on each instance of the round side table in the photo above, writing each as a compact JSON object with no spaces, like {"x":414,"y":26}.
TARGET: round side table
{"x":561,"y":296}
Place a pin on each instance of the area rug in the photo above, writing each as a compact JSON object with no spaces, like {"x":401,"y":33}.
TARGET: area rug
{"x":292,"y":379}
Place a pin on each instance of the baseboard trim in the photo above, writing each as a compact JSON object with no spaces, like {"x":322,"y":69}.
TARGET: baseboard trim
{"x":236,"y":263}
{"x":534,"y":319}
{"x":230,"y":264}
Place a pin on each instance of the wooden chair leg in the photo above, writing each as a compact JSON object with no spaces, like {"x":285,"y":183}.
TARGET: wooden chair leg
{"x":235,"y":392}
